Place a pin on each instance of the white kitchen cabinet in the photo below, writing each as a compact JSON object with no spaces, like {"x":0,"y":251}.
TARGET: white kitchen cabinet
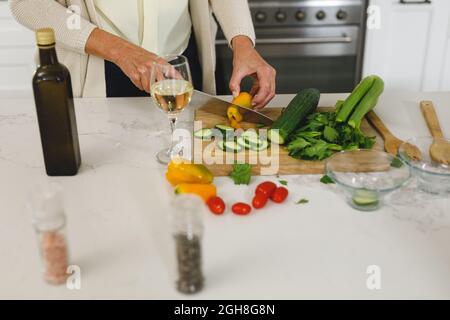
{"x":17,"y":47}
{"x":408,"y":44}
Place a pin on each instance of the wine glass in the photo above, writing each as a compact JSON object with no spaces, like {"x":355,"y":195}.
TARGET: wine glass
{"x":171,"y":89}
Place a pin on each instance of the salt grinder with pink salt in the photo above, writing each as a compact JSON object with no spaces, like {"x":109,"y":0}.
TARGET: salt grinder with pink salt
{"x":49,"y":222}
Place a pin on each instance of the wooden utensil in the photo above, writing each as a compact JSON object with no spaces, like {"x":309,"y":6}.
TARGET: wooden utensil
{"x":439,"y":149}
{"x":391,"y":142}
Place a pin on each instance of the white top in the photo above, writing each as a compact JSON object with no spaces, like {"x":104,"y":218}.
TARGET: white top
{"x":159,"y":26}
{"x":119,"y":235}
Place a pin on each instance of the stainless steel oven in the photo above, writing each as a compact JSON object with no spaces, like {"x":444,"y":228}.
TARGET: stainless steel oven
{"x":311,"y":43}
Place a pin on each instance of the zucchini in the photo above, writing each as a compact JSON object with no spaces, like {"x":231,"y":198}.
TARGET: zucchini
{"x":368,"y":102}
{"x":304,"y":103}
{"x":203,"y":134}
{"x":354,"y":98}
{"x":229,"y":146}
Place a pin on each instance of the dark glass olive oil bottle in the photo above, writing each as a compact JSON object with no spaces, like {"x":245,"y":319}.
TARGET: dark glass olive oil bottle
{"x":53,"y":95}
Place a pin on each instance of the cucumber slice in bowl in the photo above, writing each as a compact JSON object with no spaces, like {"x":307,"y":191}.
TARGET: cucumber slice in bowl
{"x":229,"y":146}
{"x":365,"y":200}
{"x":203,"y":134}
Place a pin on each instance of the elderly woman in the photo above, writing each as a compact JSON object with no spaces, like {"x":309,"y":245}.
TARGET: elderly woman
{"x":110,"y":45}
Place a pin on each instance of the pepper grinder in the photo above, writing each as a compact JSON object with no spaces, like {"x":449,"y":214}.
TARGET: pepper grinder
{"x":187,"y":226}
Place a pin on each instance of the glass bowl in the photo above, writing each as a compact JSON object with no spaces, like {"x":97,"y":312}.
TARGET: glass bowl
{"x":367,"y":176}
{"x":432,"y":177}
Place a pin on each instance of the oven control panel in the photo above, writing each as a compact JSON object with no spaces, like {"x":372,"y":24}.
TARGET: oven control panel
{"x":308,"y":12}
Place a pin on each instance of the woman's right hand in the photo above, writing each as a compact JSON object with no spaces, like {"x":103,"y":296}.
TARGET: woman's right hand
{"x":133,"y":60}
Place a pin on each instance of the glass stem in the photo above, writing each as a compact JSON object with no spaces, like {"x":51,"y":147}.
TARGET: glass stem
{"x":173,"y":122}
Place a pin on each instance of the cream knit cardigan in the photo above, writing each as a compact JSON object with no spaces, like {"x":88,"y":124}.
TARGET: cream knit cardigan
{"x":88,"y":74}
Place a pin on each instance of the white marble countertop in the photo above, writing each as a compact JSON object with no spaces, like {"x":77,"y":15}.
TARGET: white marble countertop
{"x":117,"y":207}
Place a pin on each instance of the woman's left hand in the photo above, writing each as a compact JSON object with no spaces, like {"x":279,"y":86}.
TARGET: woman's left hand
{"x":248,"y":62}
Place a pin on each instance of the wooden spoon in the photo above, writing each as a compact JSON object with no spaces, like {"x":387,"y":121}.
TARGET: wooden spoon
{"x":439,"y":149}
{"x":391,"y":142}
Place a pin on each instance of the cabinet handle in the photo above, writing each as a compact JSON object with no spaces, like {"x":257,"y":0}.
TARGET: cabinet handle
{"x":415,"y":2}
{"x":313,"y":40}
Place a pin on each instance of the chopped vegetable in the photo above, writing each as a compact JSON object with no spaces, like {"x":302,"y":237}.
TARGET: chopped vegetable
{"x":203,"y":134}
{"x":283,"y":182}
{"x":396,"y":163}
{"x":241,"y":173}
{"x":302,"y":201}
{"x":326,"y":180}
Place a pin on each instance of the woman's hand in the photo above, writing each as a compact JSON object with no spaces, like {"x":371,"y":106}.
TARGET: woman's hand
{"x":248,"y":62}
{"x":134,"y":61}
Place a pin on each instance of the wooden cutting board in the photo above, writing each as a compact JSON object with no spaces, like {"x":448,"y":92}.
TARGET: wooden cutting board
{"x":203,"y":150}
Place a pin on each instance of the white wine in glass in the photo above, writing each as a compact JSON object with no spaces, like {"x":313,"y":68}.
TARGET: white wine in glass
{"x":171,"y":89}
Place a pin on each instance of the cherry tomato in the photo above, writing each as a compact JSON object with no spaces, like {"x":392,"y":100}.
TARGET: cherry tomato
{"x":266,"y":188}
{"x":216,"y":205}
{"x":241,"y":208}
{"x":259,"y":201}
{"x":279,"y":195}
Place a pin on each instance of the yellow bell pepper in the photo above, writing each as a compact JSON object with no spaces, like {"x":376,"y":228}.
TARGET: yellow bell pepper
{"x":205,"y":191}
{"x":182,"y":171}
{"x":244,"y":99}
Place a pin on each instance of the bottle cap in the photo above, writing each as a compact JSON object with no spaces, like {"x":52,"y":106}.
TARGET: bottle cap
{"x":45,"y":37}
{"x":47,"y":207}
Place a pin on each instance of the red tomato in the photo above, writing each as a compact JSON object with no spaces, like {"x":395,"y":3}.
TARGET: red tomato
{"x":279,"y":195}
{"x":241,"y":208}
{"x":216,"y":205}
{"x":259,"y":201}
{"x":266,"y":188}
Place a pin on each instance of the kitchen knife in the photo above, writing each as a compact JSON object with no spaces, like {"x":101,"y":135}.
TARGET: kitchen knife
{"x":219,"y":107}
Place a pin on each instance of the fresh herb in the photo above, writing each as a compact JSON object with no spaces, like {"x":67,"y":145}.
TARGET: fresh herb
{"x":283,"y":182}
{"x":322,"y":135}
{"x":302,"y":201}
{"x":326,"y":179}
{"x":396,"y":163}
{"x":241,"y":173}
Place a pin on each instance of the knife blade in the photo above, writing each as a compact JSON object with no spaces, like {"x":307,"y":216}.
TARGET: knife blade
{"x":219,"y":107}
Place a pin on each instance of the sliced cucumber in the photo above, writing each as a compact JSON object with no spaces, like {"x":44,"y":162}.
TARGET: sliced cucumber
{"x":275,"y":136}
{"x":229,"y":146}
{"x":365,"y":198}
{"x":243,"y":143}
{"x":260,"y":147}
{"x":225,"y":129}
{"x":203,"y":134}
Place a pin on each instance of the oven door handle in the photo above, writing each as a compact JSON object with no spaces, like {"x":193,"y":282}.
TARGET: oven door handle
{"x":308,"y":40}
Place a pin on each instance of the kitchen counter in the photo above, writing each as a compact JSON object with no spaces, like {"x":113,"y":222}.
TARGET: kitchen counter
{"x":118,"y":204}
